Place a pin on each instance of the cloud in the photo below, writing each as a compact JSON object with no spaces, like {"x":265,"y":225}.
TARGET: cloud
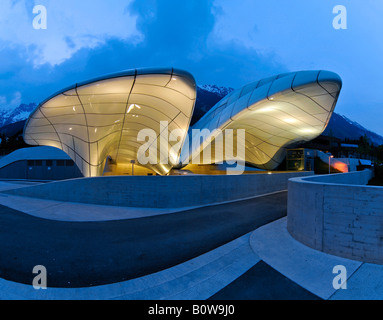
{"x":166,"y":33}
{"x":223,"y":42}
{"x":182,"y":34}
{"x":15,"y":101}
{"x":72,"y":25}
{"x":3,"y":100}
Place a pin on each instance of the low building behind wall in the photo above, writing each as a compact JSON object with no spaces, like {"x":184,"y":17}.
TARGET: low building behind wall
{"x":40,"y":163}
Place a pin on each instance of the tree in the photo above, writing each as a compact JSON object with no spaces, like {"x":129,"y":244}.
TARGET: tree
{"x":379,"y":153}
{"x":365,"y":145}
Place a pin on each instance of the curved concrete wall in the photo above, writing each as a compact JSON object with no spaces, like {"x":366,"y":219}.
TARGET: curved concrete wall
{"x":338,"y":215}
{"x":160,"y":192}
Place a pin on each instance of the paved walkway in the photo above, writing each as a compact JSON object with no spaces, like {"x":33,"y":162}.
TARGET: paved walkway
{"x":250,"y":267}
{"x":68,"y":211}
{"x":98,"y":253}
{"x":79,"y":212}
{"x":312,"y":269}
{"x":214,"y":253}
{"x":197,"y":279}
{"x":262,"y":282}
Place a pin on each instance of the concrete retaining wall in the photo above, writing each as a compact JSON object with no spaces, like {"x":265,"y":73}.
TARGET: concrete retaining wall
{"x":338,"y":215}
{"x":160,"y":192}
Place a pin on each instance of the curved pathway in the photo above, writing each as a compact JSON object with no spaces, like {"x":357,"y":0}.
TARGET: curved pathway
{"x":82,"y":254}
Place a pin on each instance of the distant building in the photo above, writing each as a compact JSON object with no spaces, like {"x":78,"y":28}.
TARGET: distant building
{"x":349,"y":150}
{"x":39,"y":163}
{"x":325,"y":144}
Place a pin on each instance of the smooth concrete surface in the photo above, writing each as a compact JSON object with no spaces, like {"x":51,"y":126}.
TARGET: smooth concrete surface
{"x":67,"y":211}
{"x":262,"y":282}
{"x":79,"y":212}
{"x":204,"y":276}
{"x":312,"y":269}
{"x":196,"y":279}
{"x":350,"y":178}
{"x":160,"y":191}
{"x":338,"y":214}
{"x":9,"y":185}
{"x":90,"y":254}
{"x":365,"y":284}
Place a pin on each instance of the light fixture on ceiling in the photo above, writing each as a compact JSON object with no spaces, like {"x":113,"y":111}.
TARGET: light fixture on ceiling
{"x":290,"y":120}
{"x":265,"y":109}
{"x":307,"y":130}
{"x":132,"y":106}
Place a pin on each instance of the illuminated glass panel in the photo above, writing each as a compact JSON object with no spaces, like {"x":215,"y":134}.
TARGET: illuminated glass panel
{"x":276,"y":113}
{"x":101,"y":118}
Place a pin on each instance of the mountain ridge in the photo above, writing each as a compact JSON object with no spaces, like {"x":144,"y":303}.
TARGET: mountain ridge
{"x":17,"y":114}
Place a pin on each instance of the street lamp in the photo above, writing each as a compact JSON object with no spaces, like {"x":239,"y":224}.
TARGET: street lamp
{"x":329,"y":164}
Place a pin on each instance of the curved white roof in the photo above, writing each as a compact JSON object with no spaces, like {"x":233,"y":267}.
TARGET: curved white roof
{"x":276,"y":113}
{"x":101,"y":118}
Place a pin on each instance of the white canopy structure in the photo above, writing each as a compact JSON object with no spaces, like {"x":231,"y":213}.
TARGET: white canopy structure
{"x":276,"y":112}
{"x":100,"y":119}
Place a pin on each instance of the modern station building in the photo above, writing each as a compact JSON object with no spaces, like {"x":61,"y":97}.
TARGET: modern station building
{"x":97,"y":123}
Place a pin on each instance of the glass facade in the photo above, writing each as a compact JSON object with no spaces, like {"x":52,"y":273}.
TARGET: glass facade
{"x":277,"y":113}
{"x":101,"y":119}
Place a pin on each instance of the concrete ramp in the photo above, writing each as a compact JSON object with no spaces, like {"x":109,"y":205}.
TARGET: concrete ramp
{"x":160,"y":191}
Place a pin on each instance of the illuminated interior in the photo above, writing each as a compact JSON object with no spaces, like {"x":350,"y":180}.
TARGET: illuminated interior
{"x":276,"y":112}
{"x":98,"y":121}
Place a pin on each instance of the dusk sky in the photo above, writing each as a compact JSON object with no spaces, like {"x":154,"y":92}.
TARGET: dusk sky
{"x":222,"y":42}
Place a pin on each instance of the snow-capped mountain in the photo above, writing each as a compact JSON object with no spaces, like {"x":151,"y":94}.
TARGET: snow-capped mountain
{"x":356,"y":124}
{"x":221,"y":91}
{"x":22,"y":112}
{"x":343,"y":128}
{"x":207,"y":97}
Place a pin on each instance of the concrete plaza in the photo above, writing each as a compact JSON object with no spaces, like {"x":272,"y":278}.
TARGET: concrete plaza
{"x":238,"y":250}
